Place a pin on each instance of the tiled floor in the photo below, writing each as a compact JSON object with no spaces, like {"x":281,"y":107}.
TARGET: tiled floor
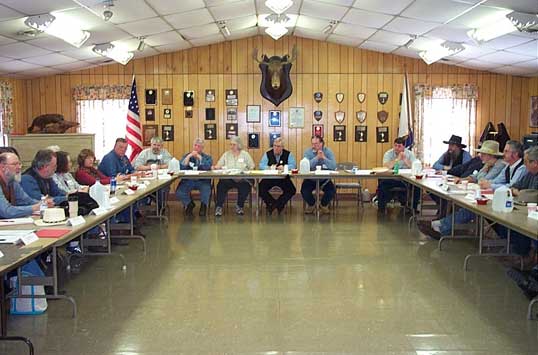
{"x":351,"y":283}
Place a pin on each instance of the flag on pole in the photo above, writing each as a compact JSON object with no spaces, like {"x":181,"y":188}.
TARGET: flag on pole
{"x":406,"y":116}
{"x":134,"y":129}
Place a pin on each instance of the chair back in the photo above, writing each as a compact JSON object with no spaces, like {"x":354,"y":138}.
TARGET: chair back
{"x":346,"y":165}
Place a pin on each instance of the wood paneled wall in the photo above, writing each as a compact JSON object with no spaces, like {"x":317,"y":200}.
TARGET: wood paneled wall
{"x":320,"y":66}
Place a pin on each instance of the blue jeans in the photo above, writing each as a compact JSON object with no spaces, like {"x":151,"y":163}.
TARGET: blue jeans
{"x":461,"y":216}
{"x":183,"y":192}
{"x":519,"y":243}
{"x":310,"y":185}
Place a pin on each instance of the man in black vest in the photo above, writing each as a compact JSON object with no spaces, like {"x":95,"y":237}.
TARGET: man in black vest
{"x":276,"y":159}
{"x":515,"y":167}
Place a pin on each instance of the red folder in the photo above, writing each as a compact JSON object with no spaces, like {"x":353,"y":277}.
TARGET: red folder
{"x":51,"y":233}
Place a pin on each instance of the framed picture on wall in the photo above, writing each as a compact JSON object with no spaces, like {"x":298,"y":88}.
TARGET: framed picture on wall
{"x":534,"y":112}
{"x":150,"y":114}
{"x":274,"y":118}
{"x":149,"y":131}
{"x":210,"y":131}
{"x":231,"y":130}
{"x":167,"y":133}
{"x":253,"y":113}
{"x":296,"y":117}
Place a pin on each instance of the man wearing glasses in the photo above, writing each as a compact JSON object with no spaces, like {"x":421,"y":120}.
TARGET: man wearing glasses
{"x":276,"y":159}
{"x":14,"y":202}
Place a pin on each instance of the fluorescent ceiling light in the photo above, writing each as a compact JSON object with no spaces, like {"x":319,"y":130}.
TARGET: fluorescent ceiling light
{"x":266,"y":20}
{"x":278,"y":6}
{"x":113,"y":52}
{"x":524,"y":22}
{"x":276,"y":31}
{"x":446,"y":49}
{"x":492,"y":30}
{"x":330,"y":27}
{"x":224,"y":28}
{"x":62,"y":28}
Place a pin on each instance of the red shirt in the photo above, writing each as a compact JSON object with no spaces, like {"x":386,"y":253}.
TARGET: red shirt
{"x":88,"y":176}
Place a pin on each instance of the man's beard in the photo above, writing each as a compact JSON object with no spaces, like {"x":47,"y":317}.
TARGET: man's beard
{"x":14,"y":177}
{"x":156,"y":151}
{"x":454,"y":155}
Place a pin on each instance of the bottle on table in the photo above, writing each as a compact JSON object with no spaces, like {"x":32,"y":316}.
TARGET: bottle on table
{"x":43,"y":206}
{"x":113,"y":185}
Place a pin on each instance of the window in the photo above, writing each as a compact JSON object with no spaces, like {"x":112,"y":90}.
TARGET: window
{"x":3,"y":136}
{"x":106,"y":119}
{"x":442,"y":113}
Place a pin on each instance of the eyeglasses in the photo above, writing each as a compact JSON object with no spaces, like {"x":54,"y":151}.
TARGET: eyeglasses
{"x":15,"y":164}
{"x":277,"y":146}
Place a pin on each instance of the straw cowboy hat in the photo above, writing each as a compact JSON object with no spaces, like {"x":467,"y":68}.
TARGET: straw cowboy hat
{"x":527,"y":195}
{"x":490,"y":147}
{"x":455,"y":140}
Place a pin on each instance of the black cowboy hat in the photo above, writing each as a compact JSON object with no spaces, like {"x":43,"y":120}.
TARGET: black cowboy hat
{"x":455,"y":140}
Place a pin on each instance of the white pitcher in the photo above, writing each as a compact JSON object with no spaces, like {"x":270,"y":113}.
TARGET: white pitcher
{"x":304,"y":166}
{"x":503,"y":201}
{"x":416,"y":167}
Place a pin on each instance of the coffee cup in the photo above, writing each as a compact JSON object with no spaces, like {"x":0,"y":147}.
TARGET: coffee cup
{"x":318,"y":167}
{"x":531,"y":207}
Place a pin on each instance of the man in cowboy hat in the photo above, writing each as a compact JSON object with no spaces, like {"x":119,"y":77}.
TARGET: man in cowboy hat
{"x":454,"y":156}
{"x":521,"y":244}
{"x":514,"y":170}
{"x":493,"y":166}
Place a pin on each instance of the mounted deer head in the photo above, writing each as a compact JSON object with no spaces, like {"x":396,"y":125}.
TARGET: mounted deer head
{"x":279,"y":87}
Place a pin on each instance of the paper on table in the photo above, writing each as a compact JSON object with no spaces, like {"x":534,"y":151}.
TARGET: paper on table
{"x":13,"y":236}
{"x":404,"y":171}
{"x":270,"y":172}
{"x":15,"y":221}
{"x":192,"y":172}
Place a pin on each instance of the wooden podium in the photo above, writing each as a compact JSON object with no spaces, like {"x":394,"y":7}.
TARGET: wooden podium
{"x":27,"y":145}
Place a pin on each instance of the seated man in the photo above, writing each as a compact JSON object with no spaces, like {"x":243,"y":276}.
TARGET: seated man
{"x":235,"y":158}
{"x":493,"y":166}
{"x":513,"y":171}
{"x":454,"y":156}
{"x":318,"y":155}
{"x":116,"y":162}
{"x":37,"y":180}
{"x":403,"y":158}
{"x":466,"y":169}
{"x":155,"y":154}
{"x":201,"y":161}
{"x":14,"y":202}
{"x":159,"y":156}
{"x":521,"y":244}
{"x":275,"y":159}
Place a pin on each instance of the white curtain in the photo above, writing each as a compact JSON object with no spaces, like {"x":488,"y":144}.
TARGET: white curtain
{"x":106,"y":119}
{"x":441,"y":112}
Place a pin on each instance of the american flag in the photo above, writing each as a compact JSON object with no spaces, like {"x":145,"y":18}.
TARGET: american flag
{"x":134,"y":129}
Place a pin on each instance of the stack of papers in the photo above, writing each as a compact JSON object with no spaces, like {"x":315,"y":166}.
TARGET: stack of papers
{"x":15,"y":221}
{"x":13,"y":236}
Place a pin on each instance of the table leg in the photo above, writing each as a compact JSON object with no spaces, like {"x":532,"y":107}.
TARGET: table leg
{"x":257,"y":184}
{"x":317,"y":204}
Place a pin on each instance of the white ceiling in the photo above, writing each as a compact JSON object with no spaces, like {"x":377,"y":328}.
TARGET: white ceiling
{"x":171,"y":25}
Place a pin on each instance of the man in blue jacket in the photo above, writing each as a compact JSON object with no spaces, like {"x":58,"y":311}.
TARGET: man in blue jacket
{"x":198,"y":160}
{"x":14,"y":202}
{"x":116,"y":162}
{"x":37,"y":180}
{"x":319,"y":155}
